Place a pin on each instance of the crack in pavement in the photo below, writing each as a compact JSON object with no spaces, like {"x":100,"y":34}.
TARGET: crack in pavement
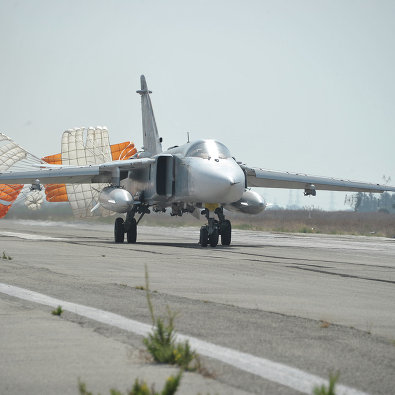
{"x":343,"y":275}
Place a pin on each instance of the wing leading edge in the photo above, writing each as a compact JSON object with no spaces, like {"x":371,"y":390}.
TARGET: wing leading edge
{"x":58,"y":174}
{"x":274,"y":179}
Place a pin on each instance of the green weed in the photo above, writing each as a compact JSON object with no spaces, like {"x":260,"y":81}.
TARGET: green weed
{"x":82,"y":388}
{"x":6,"y":257}
{"x":141,"y":388}
{"x":162,"y":346}
{"x":161,"y":343}
{"x":58,"y":311}
{"x":327,"y":390}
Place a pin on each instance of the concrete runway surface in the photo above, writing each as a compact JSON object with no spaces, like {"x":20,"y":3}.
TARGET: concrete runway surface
{"x":316,"y":303}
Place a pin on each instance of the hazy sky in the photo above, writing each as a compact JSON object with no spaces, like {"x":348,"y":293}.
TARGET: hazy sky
{"x":305,"y":86}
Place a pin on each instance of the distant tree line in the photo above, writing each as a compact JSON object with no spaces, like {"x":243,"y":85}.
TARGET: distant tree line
{"x":368,"y":202}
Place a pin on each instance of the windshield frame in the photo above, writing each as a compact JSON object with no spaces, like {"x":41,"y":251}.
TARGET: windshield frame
{"x":208,"y":149}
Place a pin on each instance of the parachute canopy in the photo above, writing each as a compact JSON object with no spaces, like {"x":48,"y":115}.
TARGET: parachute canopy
{"x":12,"y":157}
{"x":81,"y":146}
{"x":34,"y":200}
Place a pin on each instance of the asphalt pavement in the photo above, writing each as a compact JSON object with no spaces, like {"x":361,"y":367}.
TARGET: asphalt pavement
{"x":313,"y":302}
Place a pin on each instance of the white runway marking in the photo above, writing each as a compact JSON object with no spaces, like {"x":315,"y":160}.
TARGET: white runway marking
{"x":273,"y":371}
{"x":29,"y":236}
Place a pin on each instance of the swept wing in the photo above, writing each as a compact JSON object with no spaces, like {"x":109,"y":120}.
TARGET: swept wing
{"x":257,"y":177}
{"x":53,"y":174}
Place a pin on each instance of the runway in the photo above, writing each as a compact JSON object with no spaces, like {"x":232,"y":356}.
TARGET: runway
{"x":315,"y":303}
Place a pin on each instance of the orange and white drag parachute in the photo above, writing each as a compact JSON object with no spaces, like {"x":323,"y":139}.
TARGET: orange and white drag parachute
{"x":12,"y":157}
{"x":80,"y":146}
{"x":8,"y":195}
{"x":34,"y":200}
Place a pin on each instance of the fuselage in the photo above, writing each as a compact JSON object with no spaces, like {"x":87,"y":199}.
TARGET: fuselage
{"x":202,"y":171}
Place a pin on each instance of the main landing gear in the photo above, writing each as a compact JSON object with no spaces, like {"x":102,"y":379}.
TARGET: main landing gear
{"x":129,"y":226}
{"x":209,"y":234}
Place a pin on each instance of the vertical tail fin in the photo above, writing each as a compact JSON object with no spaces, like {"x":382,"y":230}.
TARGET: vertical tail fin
{"x":151,"y":139}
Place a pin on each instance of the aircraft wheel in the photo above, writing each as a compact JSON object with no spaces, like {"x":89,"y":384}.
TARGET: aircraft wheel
{"x":119,"y":230}
{"x":214,"y":238}
{"x":226,"y":233}
{"x":203,"y":236}
{"x":131,"y":233}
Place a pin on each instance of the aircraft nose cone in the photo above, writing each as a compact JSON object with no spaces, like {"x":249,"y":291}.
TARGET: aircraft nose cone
{"x":226,"y":186}
{"x":230,"y":188}
{"x":222,"y":183}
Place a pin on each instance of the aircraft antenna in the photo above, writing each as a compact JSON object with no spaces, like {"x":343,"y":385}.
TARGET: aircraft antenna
{"x":188,"y":137}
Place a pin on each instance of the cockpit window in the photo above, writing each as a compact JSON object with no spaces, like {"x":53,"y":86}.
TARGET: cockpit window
{"x":208,"y":149}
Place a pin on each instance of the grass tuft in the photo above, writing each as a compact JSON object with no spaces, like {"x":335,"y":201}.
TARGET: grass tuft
{"x":162,"y":346}
{"x":161,"y":343}
{"x":6,"y":257}
{"x":58,"y":311}
{"x":82,"y":388}
{"x":140,"y":387}
{"x":328,"y":390}
{"x":325,"y":324}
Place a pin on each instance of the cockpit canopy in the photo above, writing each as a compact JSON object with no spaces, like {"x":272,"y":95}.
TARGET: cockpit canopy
{"x":208,"y":149}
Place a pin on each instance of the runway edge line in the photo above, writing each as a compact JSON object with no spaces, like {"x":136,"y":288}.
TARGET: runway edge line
{"x":273,"y":371}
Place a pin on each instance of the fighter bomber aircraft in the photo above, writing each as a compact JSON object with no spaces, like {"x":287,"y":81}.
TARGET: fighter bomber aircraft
{"x":200,"y":177}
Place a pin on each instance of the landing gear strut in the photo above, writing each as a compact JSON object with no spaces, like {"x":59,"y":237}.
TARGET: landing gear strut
{"x":209,"y":234}
{"x":129,"y":226}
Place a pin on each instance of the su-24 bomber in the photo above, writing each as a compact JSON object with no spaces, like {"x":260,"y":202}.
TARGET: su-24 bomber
{"x":200,"y":177}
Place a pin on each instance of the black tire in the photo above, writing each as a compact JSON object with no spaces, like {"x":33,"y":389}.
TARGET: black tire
{"x":131,"y":233}
{"x":226,"y":233}
{"x":119,"y":230}
{"x":214,"y":238}
{"x":203,"y":236}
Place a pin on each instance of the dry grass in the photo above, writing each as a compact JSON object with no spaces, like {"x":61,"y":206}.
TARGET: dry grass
{"x":338,"y":222}
{"x":297,"y":221}
{"x":294,"y":221}
{"x":325,"y":324}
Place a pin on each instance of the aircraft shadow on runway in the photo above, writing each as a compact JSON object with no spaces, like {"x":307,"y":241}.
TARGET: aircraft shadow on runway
{"x":184,"y":245}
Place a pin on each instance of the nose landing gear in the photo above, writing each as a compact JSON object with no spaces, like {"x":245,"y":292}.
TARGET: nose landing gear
{"x":209,"y":234}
